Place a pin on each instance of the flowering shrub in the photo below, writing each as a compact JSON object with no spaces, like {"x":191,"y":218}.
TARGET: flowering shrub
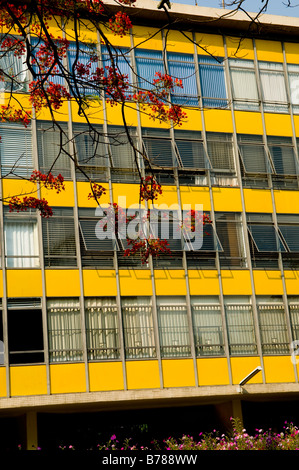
{"x":239,"y":439}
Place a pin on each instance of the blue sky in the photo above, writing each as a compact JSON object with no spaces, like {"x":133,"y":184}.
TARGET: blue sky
{"x":276,"y":7}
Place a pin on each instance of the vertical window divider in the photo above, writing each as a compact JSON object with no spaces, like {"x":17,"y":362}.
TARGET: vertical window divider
{"x":290,"y":110}
{"x":77,"y":235}
{"x":244,"y":222}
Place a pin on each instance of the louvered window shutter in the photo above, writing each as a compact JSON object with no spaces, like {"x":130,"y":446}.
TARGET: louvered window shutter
{"x":50,"y":143}
{"x":253,"y":154}
{"x":159,"y":148}
{"x":148,"y":63}
{"x":220,"y":151}
{"x":181,"y":66}
{"x":212,"y":80}
{"x":191,"y":149}
{"x":82,"y":56}
{"x":283,"y":155}
{"x":16,"y":151}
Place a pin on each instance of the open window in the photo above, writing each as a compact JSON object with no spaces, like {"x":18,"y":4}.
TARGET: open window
{"x":25,"y":331}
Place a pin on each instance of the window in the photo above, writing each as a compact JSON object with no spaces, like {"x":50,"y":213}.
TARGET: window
{"x":161,"y":154}
{"x":181,"y":66}
{"x":94,"y":251}
{"x":148,"y":63}
{"x":42,"y":72}
{"x":138,"y":327}
{"x":59,"y":238}
{"x":240,"y":326}
{"x":283,"y":155}
{"x":294,"y":316}
{"x":2,"y":350}
{"x":293,"y":74}
{"x":288,"y":226}
{"x":229,"y":231}
{"x":16,"y":151}
{"x":207,"y":326}
{"x":84,"y":54}
{"x":173,"y":326}
{"x":212,"y":81}
{"x":52,"y":145}
{"x":273,"y":87}
{"x":272,"y":322}
{"x":191,"y":150}
{"x":244,"y":86}
{"x":21,"y":240}
{"x":91,"y":152}
{"x":221,"y":156}
{"x":253,"y":155}
{"x":122,"y":63}
{"x":64,"y":330}
{"x":13,"y":69}
{"x":102,"y":331}
{"x":124,"y":165}
{"x":25,"y":331}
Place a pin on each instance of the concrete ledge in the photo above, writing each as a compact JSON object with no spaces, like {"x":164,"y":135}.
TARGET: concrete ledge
{"x":134,"y":399}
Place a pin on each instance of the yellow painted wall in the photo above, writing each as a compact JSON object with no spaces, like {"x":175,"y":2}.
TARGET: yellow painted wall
{"x":177,"y":41}
{"x":291,"y":52}
{"x":203,"y":282}
{"x":248,"y":123}
{"x":142,"y":374}
{"x":269,"y":50}
{"x":218,"y":120}
{"x":135,"y":282}
{"x":62,"y":283}
{"x":267,"y":282}
{"x":192,"y":195}
{"x":292,"y":282}
{"x":178,"y":373}
{"x":169,"y":197}
{"x":193,"y":120}
{"x":104,"y":376}
{"x":126,"y":195}
{"x":94,"y":112}
{"x":296,"y":125}
{"x":146,"y":37}
{"x":61,"y":115}
{"x":115,"y":117}
{"x":236,"y":282}
{"x":239,"y":48}
{"x":212,"y":371}
{"x":63,"y":199}
{"x":20,"y":188}
{"x":278,"y":369}
{"x":278,"y":124}
{"x":28,"y":380}
{"x":24,"y":283}
{"x":286,"y":202}
{"x":99,"y":282}
{"x":2,"y":382}
{"x":170,"y":282}
{"x":1,"y":283}
{"x":242,"y":366}
{"x":227,"y":199}
{"x":209,"y":44}
{"x":67,"y":378}
{"x":83,"y":189}
{"x":257,"y":200}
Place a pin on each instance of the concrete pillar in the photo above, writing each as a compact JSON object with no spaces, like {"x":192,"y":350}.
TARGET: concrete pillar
{"x":31,"y":431}
{"x":237,"y":409}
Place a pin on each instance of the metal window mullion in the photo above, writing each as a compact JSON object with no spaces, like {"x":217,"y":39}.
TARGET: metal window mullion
{"x":294,"y":140}
{"x":245,"y":230}
{"x":77,"y":235}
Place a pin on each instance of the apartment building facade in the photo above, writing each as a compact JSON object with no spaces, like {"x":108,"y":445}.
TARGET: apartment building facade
{"x":84,"y":327}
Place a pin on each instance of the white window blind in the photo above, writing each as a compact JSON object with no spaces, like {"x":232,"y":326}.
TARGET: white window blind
{"x":273,"y":86}
{"x":173,"y":326}
{"x":102,"y":332}
{"x":207,"y":326}
{"x":244,"y":85}
{"x":138,"y":327}
{"x":64,"y":330}
{"x":16,"y":151}
{"x":21,"y":243}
